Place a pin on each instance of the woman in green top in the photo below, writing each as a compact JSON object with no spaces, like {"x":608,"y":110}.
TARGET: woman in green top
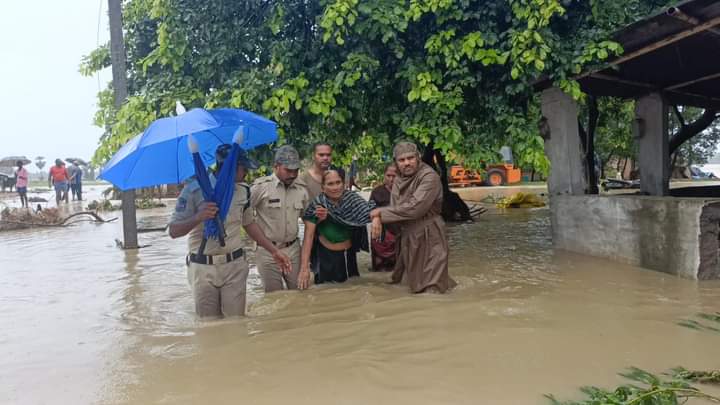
{"x":346,"y":211}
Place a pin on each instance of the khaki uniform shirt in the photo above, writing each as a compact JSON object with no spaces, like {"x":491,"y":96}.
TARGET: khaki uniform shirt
{"x":188,"y":204}
{"x":314,"y":187}
{"x":277,"y":208}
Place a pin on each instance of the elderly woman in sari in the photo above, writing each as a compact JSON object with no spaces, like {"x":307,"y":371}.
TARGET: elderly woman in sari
{"x":384,"y":248}
{"x":346,"y":212}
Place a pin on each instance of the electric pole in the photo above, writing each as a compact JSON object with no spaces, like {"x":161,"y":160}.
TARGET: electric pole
{"x":119,"y":73}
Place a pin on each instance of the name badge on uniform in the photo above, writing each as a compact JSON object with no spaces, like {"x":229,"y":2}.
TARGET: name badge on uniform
{"x":181,"y":204}
{"x":274,"y":200}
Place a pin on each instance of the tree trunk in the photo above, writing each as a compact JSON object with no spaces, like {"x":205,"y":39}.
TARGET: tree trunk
{"x":454,"y":208}
{"x":587,"y":141}
{"x":119,"y":73}
{"x":688,"y":131}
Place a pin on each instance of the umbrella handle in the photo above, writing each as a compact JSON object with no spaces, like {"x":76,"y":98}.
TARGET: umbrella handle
{"x":221,"y":229}
{"x":201,"y":249}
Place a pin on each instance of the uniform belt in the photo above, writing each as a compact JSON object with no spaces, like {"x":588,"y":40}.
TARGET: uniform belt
{"x":216,"y":259}
{"x":283,"y":245}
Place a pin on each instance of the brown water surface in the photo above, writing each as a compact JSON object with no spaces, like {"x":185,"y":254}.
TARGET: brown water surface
{"x":84,"y":322}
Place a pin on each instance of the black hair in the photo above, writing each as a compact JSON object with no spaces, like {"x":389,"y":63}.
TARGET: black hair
{"x":221,"y":153}
{"x":321,"y":143}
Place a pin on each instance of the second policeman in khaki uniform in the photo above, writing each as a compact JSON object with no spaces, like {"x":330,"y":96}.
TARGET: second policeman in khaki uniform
{"x":278,"y":201}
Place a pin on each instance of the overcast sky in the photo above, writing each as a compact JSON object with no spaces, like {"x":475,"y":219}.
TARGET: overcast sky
{"x":46,"y":106}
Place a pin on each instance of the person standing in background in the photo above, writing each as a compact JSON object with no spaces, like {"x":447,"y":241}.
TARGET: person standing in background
{"x":384,"y":249}
{"x":312,"y":177}
{"x":71,"y":178}
{"x":66,"y":192}
{"x":352,"y":174}
{"x":76,"y":181}
{"x":58,"y":178}
{"x":21,"y":182}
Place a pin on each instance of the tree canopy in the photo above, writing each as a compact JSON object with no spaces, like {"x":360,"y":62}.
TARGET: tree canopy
{"x":361,"y":74}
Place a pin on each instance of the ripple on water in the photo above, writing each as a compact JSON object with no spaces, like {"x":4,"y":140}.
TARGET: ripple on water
{"x":524,"y":320}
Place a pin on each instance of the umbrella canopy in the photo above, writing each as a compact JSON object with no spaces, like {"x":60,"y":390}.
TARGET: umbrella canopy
{"x":11,"y":161}
{"x":160,"y":155}
{"x":78,"y":161}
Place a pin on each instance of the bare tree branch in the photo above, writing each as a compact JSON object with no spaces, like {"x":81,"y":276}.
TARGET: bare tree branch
{"x":688,"y":131}
{"x":679,"y":116}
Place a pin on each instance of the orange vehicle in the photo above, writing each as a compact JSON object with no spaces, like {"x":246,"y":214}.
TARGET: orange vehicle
{"x":502,"y":174}
{"x":495,"y":175}
{"x":460,"y":177}
{"x":499,"y":174}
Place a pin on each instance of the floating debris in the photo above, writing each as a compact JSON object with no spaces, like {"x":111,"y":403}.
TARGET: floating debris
{"x":521,"y":200}
{"x":107,"y":205}
{"x":22,"y":218}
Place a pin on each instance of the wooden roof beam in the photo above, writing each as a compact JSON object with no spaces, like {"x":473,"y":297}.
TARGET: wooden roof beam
{"x":634,"y":83}
{"x":691,"y":82}
{"x":657,"y":45}
{"x":675,"y":12}
{"x":649,"y":86}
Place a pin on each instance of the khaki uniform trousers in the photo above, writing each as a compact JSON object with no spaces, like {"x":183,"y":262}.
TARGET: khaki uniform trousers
{"x":219,"y":289}
{"x":270,"y":273}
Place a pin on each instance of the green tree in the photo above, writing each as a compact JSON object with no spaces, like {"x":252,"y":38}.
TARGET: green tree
{"x":358,"y":74}
{"x":614,"y":138}
{"x":361,"y":74}
{"x":703,"y":142}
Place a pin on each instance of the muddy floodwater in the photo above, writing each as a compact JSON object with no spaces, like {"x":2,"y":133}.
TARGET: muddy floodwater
{"x":83,"y":322}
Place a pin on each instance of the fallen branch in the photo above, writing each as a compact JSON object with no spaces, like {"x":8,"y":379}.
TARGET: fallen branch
{"x":97,"y":217}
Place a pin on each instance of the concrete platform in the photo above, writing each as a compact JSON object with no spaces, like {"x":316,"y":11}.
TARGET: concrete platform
{"x":673,"y":235}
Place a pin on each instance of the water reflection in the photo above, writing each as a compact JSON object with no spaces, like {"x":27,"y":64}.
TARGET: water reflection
{"x":96,"y":324}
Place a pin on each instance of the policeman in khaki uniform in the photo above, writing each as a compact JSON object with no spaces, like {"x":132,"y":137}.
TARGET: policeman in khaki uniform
{"x":278,"y":201}
{"x":217,"y":275}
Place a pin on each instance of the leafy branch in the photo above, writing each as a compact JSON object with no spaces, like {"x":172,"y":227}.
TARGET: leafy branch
{"x":654,"y":391}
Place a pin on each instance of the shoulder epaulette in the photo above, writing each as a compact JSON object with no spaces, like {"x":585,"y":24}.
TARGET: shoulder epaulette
{"x":192,"y":186}
{"x":261,"y":180}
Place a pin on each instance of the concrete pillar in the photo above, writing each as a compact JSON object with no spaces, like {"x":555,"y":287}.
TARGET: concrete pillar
{"x":563,"y":148}
{"x":651,"y":133}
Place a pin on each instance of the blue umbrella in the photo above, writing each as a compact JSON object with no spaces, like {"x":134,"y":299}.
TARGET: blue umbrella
{"x":224,"y":189}
{"x":160,"y":155}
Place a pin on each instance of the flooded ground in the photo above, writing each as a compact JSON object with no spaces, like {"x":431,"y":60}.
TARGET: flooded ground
{"x":84,"y":322}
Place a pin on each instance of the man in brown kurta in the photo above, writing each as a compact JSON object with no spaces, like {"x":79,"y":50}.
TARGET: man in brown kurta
{"x":415,"y":205}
